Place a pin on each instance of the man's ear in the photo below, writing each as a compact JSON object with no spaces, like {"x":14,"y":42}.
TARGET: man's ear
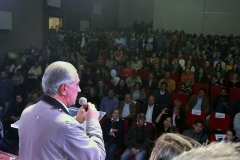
{"x":62,"y":89}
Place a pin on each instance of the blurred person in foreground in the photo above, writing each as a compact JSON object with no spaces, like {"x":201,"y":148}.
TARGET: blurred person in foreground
{"x":170,"y":145}
{"x":47,"y":131}
{"x":214,"y":151}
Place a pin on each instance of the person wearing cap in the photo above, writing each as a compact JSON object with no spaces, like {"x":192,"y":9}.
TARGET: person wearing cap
{"x":133,"y":79}
{"x":137,"y":140}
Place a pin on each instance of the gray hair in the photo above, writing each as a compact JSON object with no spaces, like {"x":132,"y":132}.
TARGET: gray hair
{"x":216,"y":151}
{"x":171,"y":145}
{"x":56,"y":74}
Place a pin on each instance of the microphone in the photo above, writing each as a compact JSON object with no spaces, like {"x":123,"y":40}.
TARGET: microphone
{"x":83,"y":102}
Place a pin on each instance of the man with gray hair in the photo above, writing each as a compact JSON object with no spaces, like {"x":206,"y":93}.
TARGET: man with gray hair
{"x":47,"y":131}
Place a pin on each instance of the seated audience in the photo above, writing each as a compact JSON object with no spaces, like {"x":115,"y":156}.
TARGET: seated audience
{"x":93,"y":98}
{"x":234,"y":82}
{"x":222,"y":64}
{"x":180,"y":60}
{"x":170,"y":145}
{"x":115,"y":67}
{"x":171,"y":83}
{"x":17,"y":79}
{"x":136,"y":63}
{"x":214,"y":151}
{"x":163,"y":66}
{"x":132,"y":80}
{"x":187,"y":74}
{"x":88,"y":85}
{"x":137,"y":140}
{"x":198,"y":102}
{"x":127,"y":109}
{"x":218,"y":68}
{"x":138,"y":94}
{"x":221,"y":103}
{"x":162,"y":96}
{"x":150,"y":110}
{"x":190,"y":66}
{"x":176,"y":67}
{"x":121,"y":89}
{"x":101,"y":89}
{"x":150,"y":83}
{"x":15,"y":66}
{"x":154,"y":59}
{"x":186,"y":87}
{"x":208,"y":69}
{"x":200,"y":77}
{"x":88,"y":74}
{"x":104,"y":75}
{"x":127,"y":71}
{"x":33,"y":75}
{"x":218,"y":80}
{"x":166,"y":125}
{"x":230,"y":65}
{"x":113,"y":134}
{"x":12,"y":115}
{"x":109,"y":61}
{"x":157,"y":72}
{"x":230,"y":72}
{"x":109,"y":103}
{"x":35,"y":97}
{"x":236,"y":124}
{"x":197,"y":132}
{"x":230,"y":136}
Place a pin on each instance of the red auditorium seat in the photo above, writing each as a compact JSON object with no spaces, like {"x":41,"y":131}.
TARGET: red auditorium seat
{"x":234,"y":93}
{"x":215,"y":90}
{"x":173,"y":56}
{"x":143,"y":73}
{"x":175,"y":77}
{"x":148,"y":93}
{"x":184,"y":57}
{"x":193,"y":115}
{"x":138,"y":107}
{"x":219,"y":122}
{"x":183,"y":97}
{"x":110,"y":85}
{"x":198,"y":86}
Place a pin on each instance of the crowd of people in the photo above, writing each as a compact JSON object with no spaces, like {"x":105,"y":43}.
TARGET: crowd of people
{"x":212,"y":59}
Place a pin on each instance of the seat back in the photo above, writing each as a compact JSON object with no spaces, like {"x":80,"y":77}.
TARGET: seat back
{"x":138,"y":107}
{"x":175,"y":77}
{"x":215,"y":90}
{"x":219,"y":121}
{"x":183,"y":97}
{"x":143,"y":73}
{"x":234,"y":93}
{"x":198,"y":86}
{"x":193,"y":115}
{"x":148,"y":93}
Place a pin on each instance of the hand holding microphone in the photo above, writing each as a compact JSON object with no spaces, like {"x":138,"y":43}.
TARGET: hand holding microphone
{"x":87,"y":111}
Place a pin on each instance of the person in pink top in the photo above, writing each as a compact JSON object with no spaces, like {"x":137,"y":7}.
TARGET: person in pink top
{"x":127,"y":71}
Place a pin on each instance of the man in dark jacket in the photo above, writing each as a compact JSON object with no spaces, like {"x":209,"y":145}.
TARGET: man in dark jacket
{"x":162,"y":96}
{"x":197,"y":132}
{"x":137,"y":140}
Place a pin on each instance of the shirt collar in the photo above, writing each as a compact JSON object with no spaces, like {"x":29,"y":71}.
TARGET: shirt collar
{"x":116,"y":120}
{"x":62,"y":104}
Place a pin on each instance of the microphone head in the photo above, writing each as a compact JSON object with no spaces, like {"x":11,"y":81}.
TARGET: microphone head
{"x":82,"y":101}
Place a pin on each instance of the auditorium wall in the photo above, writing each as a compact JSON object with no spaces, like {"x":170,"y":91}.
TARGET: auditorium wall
{"x":198,"y":16}
{"x":27,"y":25}
{"x":131,"y":10}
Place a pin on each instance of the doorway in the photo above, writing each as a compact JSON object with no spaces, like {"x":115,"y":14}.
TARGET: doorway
{"x":55,"y":23}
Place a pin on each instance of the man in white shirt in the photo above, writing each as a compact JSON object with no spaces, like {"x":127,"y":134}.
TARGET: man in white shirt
{"x":181,"y":61}
{"x":127,"y":109}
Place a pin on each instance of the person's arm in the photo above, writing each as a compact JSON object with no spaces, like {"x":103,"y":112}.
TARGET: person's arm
{"x":206,"y":105}
{"x":164,"y":111}
{"x":115,"y":102}
{"x":147,"y":137}
{"x":236,"y":122}
{"x":188,"y":105}
{"x":132,"y":108}
{"x":172,"y":86}
{"x":128,"y":136}
{"x":142,"y":95}
{"x":76,"y":144}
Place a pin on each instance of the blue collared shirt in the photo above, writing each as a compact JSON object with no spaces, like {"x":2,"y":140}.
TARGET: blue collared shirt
{"x":198,"y":104}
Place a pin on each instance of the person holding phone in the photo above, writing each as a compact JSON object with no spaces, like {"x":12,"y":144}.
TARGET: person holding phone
{"x":166,"y":125}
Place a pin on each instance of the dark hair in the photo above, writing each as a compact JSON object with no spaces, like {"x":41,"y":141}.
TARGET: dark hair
{"x":233,"y":131}
{"x":164,"y":83}
{"x":217,"y":65}
{"x":199,"y":121}
{"x":114,"y":110}
{"x":203,"y":89}
{"x":137,"y":83}
{"x":110,"y":89}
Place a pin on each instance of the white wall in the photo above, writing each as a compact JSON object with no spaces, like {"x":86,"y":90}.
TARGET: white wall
{"x":198,"y":16}
{"x":131,"y":10}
